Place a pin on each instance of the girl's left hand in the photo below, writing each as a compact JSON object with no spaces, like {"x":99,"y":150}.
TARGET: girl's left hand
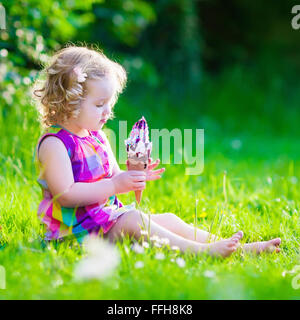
{"x":153,"y":174}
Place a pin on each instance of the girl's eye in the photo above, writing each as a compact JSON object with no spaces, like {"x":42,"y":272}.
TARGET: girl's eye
{"x":99,"y":105}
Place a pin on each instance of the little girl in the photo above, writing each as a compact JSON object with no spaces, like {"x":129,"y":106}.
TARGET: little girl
{"x":79,"y":175}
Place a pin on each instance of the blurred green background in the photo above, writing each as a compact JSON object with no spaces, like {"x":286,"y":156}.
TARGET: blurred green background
{"x":234,"y":64}
{"x":230,"y":68}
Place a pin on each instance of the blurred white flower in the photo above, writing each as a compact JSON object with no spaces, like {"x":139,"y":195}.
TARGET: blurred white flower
{"x":57,"y":282}
{"x":3,"y":53}
{"x":164,"y":241}
{"x":294,"y":180}
{"x":209,"y":274}
{"x":19,"y":33}
{"x":175,"y":248}
{"x":269,"y":179}
{"x":144,"y":232}
{"x":157,"y":244}
{"x":29,"y":35}
{"x":18,"y":80}
{"x":145,"y":244}
{"x":7,"y":96}
{"x":39,"y":38}
{"x":285,"y":213}
{"x":284,"y":273}
{"x":155,"y":238}
{"x":11,"y":89}
{"x":180,"y":262}
{"x":137,"y":248}
{"x":117,"y":19}
{"x":102,"y":259}
{"x":39,"y":47}
{"x":43,"y":57}
{"x":95,"y":246}
{"x":26,"y":80}
{"x":159,"y":256}
{"x":236,"y":144}
{"x":139,"y":264}
{"x":81,"y":76}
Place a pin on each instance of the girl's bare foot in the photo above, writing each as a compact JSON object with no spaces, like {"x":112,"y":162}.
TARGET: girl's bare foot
{"x":225,"y":247}
{"x":260,"y":246}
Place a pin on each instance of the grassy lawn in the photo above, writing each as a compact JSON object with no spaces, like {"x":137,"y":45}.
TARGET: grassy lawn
{"x":262,"y":187}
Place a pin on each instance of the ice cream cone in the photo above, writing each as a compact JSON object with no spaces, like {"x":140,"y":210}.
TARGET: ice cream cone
{"x":138,"y":150}
{"x":139,"y":165}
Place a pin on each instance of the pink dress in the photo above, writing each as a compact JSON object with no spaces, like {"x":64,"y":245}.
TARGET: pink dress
{"x":90,"y":162}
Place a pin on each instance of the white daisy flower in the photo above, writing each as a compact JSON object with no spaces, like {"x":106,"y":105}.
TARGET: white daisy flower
{"x":81,"y":76}
{"x":164,"y":241}
{"x":139,"y":264}
{"x":159,"y":256}
{"x":294,"y":180}
{"x":144,"y":232}
{"x":284,"y":273}
{"x":145,"y":244}
{"x":175,"y":248}
{"x":269,"y":179}
{"x":137,"y":248}
{"x":57,"y":282}
{"x":209,"y":274}
{"x":155,"y":238}
{"x":180,"y":262}
{"x":101,"y":261}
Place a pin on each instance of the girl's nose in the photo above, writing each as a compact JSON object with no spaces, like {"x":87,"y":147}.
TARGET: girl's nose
{"x":106,"y":109}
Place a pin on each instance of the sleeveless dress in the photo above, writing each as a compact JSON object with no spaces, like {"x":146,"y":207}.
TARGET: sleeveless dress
{"x":91,"y":162}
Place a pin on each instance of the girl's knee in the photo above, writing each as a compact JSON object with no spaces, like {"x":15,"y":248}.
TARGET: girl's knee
{"x":126,"y":223}
{"x":170,"y":216}
{"x":132,"y":214}
{"x":133,"y":218}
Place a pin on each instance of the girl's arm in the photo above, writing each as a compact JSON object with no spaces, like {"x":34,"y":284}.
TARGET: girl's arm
{"x":59,"y":176}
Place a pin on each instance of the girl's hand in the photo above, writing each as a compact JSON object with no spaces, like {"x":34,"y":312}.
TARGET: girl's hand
{"x":127,"y":181}
{"x":153,"y":174}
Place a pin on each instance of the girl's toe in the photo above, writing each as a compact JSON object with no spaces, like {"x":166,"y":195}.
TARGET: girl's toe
{"x":240,"y":233}
{"x":233,"y":242}
{"x":276,"y":241}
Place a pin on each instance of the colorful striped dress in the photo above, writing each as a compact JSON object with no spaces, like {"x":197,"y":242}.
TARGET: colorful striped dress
{"x":91,"y":162}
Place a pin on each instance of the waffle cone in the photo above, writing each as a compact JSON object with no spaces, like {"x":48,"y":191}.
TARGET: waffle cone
{"x":139,"y":166}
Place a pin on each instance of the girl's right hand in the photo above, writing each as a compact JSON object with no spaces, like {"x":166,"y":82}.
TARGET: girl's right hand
{"x":127,"y":181}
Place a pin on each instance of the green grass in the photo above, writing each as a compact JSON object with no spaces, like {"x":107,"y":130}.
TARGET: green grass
{"x":263,"y":200}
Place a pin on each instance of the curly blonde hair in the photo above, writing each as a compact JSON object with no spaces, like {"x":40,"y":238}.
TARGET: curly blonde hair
{"x":59,"y":94}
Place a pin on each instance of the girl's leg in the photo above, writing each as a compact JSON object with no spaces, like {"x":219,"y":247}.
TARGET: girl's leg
{"x":173,"y":223}
{"x":133,"y":221}
{"x":260,"y":246}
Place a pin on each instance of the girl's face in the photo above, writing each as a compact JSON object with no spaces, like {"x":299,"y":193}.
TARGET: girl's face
{"x":96,"y":107}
